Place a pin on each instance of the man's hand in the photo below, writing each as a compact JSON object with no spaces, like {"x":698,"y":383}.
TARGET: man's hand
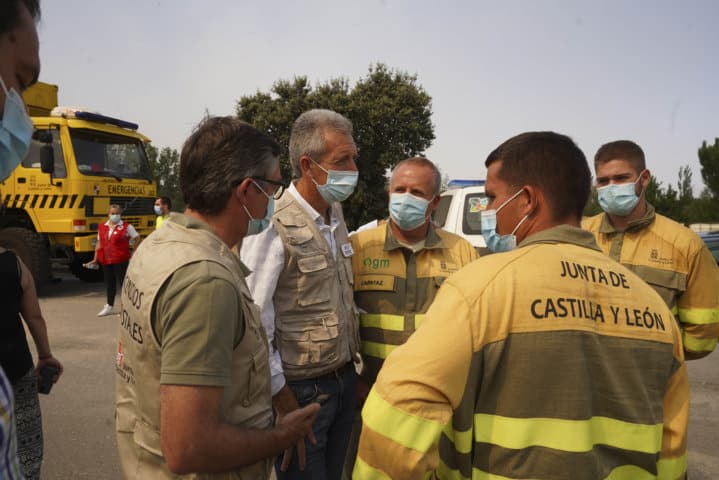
{"x":287,"y":407}
{"x":52,"y":361}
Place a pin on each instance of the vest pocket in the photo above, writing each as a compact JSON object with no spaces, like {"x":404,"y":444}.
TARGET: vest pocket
{"x":313,"y":345}
{"x":312,"y":283}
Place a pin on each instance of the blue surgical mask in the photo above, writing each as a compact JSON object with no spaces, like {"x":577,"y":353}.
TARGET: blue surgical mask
{"x":619,"y":199}
{"x":339,"y":186}
{"x":15,"y":132}
{"x":115,"y":218}
{"x":496,"y":242}
{"x":257,"y":225}
{"x":158,"y":210}
{"x":407,"y":211}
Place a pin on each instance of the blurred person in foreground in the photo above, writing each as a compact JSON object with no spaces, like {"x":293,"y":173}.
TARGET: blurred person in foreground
{"x":19,"y":68}
{"x":193,"y":381}
{"x":547,"y":361}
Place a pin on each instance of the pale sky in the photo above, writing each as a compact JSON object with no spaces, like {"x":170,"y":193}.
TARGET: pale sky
{"x":595,"y":70}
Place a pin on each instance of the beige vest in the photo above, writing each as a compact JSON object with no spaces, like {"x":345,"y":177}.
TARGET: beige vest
{"x":316,"y":325}
{"x":246,"y":401}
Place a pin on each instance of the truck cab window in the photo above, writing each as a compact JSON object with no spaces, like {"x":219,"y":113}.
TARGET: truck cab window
{"x":32,"y":159}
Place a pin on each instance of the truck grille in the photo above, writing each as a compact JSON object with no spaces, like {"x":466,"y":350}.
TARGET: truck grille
{"x":135,"y":205}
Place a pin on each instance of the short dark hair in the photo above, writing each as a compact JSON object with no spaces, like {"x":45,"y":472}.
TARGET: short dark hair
{"x":621,"y":150}
{"x":553,"y":163}
{"x":10,"y":13}
{"x":220,"y":153}
{"x":166,"y":201}
{"x":427,"y":163}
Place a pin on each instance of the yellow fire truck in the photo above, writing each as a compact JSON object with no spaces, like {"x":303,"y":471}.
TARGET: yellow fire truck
{"x":79,"y":164}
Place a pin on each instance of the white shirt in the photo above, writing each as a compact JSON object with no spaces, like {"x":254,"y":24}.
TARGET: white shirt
{"x":264,"y":254}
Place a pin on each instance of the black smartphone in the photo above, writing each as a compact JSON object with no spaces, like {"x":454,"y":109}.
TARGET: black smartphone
{"x":47,"y":373}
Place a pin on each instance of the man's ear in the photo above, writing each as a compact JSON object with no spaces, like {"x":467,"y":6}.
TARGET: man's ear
{"x":531,"y":199}
{"x":241,"y":190}
{"x":646,"y":178}
{"x":305,"y":164}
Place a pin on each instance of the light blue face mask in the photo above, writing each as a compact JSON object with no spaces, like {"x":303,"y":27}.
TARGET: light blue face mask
{"x":115,"y":218}
{"x":339,"y":186}
{"x":15,"y":132}
{"x":158,"y":210}
{"x":407,"y":210}
{"x":619,"y":199}
{"x":257,"y":225}
{"x":496,"y":242}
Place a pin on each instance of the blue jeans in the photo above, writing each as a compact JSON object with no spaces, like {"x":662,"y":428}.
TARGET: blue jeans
{"x":332,"y":428}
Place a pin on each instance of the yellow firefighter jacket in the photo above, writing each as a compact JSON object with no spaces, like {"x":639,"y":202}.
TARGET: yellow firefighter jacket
{"x":675,"y":262}
{"x":394,"y":286}
{"x":524,"y":370}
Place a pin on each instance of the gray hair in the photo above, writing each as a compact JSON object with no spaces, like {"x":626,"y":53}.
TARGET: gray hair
{"x":308,"y":135}
{"x":423,"y":162}
{"x":116,"y":206}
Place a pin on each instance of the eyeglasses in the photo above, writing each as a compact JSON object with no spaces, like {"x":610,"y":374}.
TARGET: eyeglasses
{"x":279,"y":186}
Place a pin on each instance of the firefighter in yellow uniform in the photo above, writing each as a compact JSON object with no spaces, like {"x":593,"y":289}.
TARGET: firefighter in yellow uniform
{"x":549,"y":361}
{"x":668,"y":256}
{"x":399,"y":266}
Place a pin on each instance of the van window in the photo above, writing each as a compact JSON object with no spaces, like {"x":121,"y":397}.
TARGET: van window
{"x":474,"y":204}
{"x":439,"y":216}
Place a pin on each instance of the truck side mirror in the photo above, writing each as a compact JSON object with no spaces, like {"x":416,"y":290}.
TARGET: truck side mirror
{"x":47,"y":159}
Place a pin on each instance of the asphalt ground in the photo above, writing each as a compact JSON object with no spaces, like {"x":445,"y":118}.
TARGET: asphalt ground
{"x":78,"y":414}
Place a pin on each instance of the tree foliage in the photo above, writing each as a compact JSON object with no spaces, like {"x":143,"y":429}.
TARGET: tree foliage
{"x":165,"y":166}
{"x":709,"y":160}
{"x":390,"y":112}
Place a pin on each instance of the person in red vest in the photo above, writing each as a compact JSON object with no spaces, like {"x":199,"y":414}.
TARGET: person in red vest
{"x":113,"y":253}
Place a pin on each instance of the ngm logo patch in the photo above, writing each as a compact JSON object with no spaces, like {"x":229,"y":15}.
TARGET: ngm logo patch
{"x":376,"y":263}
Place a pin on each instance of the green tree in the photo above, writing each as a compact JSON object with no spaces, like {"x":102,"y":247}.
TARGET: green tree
{"x":709,"y":160}
{"x":391,"y":114}
{"x":165,"y":166}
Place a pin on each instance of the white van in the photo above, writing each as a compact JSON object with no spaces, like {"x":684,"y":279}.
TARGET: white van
{"x":459,"y":211}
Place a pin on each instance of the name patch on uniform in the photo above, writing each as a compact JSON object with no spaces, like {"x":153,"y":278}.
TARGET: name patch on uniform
{"x":384,"y":283}
{"x":347,"y":250}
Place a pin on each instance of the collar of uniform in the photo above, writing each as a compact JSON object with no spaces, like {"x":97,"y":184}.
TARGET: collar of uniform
{"x":646,"y":219}
{"x":190,"y":222}
{"x":432,"y":240}
{"x":318,"y":219}
{"x":563,"y":234}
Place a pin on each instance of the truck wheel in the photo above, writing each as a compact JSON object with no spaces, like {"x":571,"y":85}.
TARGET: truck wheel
{"x":85,"y":274}
{"x":31,"y":249}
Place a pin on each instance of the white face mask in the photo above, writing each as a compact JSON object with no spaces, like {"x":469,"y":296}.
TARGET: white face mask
{"x":115,"y":218}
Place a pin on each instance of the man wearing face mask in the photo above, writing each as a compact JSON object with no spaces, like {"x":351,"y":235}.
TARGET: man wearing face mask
{"x":668,"y":256}
{"x":193,"y":381}
{"x":302,"y":280}
{"x":163,"y":205}
{"x":523,"y":366}
{"x":398,"y":268}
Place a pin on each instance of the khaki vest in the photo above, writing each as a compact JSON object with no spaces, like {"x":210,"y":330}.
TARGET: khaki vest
{"x":246,"y":401}
{"x":316,"y":325}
